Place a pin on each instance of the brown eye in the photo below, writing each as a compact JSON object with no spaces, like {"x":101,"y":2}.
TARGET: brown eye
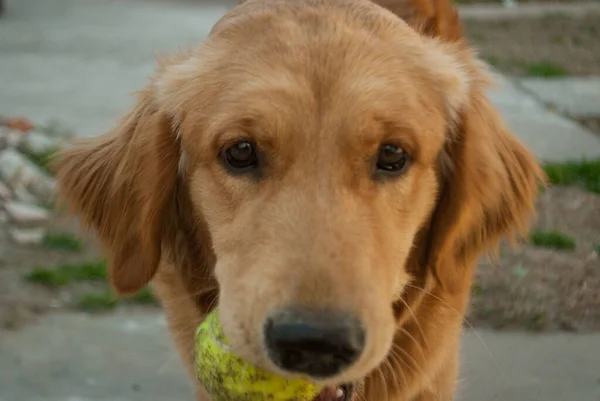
{"x":391,"y":159}
{"x":240,"y":157}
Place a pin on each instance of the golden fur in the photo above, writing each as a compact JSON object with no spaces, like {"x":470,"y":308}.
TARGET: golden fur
{"x":318,"y":85}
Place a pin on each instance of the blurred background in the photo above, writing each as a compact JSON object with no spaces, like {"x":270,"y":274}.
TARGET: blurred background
{"x":67,"y":68}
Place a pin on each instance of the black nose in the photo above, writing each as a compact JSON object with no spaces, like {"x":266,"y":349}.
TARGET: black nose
{"x":317,"y":343}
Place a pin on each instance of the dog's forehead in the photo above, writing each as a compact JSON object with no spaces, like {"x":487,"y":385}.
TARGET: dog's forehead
{"x":312,"y":70}
{"x":315,"y":59}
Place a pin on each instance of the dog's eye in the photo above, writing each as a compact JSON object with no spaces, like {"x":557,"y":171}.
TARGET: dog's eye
{"x":392,"y":159}
{"x":240,"y":157}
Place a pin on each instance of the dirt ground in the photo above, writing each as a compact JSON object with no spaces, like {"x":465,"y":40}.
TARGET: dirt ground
{"x":552,"y":45}
{"x":537,"y":288}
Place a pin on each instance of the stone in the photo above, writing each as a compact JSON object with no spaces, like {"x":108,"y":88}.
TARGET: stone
{"x":22,"y":195}
{"x":26,"y":215}
{"x":21,"y":174}
{"x":551,"y":137}
{"x":5,"y":192}
{"x":575,"y":96}
{"x":9,"y":138}
{"x":27,"y":236}
{"x":39,"y":144}
{"x":58,"y":130}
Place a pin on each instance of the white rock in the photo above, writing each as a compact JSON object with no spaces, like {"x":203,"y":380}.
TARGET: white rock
{"x":27,"y":236}
{"x":5,"y":192}
{"x":26,"y":215}
{"x":38,"y":143}
{"x":20,"y":173}
{"x":9,"y":138}
{"x":22,"y":195}
{"x":59,"y":130}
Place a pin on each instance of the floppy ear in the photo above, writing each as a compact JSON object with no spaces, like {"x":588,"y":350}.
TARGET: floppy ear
{"x":488,"y":192}
{"x":121,"y":185}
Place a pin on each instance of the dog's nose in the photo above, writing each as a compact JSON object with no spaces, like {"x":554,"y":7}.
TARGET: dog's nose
{"x":320,"y":344}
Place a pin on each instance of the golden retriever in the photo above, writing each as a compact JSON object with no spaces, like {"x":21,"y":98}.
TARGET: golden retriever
{"x":328,"y":173}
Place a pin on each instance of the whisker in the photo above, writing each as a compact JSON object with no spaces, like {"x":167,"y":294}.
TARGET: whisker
{"x":419,"y":326}
{"x":390,"y":366}
{"x":404,"y":378}
{"x":465,"y":320}
{"x":405,"y":363}
{"x":417,"y":344}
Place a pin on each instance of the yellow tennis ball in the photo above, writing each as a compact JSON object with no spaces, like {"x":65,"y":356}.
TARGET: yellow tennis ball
{"x":227,"y":377}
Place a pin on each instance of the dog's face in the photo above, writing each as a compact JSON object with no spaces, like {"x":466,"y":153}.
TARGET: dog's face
{"x":313,"y":153}
{"x":314,"y":169}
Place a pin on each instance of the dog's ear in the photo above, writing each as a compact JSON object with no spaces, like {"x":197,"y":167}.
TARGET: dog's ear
{"x":121,"y":185}
{"x":434,"y":18}
{"x":488,"y":191}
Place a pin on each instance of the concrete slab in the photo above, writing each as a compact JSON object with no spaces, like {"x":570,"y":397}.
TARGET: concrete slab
{"x":81,"y":357}
{"x":575,"y":96}
{"x":497,"y":10}
{"x":549,"y":135}
{"x":77,"y":60}
{"x":129,"y":357}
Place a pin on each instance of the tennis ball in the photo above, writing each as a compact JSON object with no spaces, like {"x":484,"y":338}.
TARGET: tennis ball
{"x":227,"y":377}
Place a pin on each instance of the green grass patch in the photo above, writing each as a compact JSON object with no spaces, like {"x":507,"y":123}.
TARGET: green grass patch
{"x":597,"y":249}
{"x":64,"y":274}
{"x":552,"y":239}
{"x":144,"y":297}
{"x":62,"y":241}
{"x":585,"y":173}
{"x":42,"y":160}
{"x":545,"y":69}
{"x":47,"y":277}
{"x":97,"y":302}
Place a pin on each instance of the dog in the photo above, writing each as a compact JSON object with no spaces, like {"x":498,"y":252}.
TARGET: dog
{"x":327,"y":173}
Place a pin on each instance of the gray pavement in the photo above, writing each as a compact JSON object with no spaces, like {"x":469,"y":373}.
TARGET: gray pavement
{"x":128,"y":357}
{"x":573,"y":96}
{"x":76,"y":60}
{"x":548,"y":134}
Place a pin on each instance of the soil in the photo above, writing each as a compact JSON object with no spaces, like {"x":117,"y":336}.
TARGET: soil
{"x":591,"y":123}
{"x":539,"y":289}
{"x":21,"y":302}
{"x":554,"y":44}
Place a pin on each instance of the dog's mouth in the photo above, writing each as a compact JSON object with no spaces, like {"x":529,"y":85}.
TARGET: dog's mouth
{"x":345,"y":392}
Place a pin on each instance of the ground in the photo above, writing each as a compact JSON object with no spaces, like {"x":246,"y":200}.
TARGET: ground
{"x":548,"y":46}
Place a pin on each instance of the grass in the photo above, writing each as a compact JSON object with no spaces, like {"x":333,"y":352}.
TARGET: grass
{"x":42,"y":160}
{"x":62,"y":242}
{"x":545,"y":69}
{"x":65,"y":274}
{"x":144,"y":297}
{"x":105,"y":300}
{"x":90,"y":271}
{"x":598,"y":249}
{"x":585,"y":173}
{"x":97,"y":302}
{"x":552,"y":239}
{"x":47,"y":277}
